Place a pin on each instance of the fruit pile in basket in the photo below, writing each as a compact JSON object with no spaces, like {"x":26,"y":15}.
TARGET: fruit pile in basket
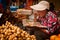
{"x":12,"y":32}
{"x":55,"y":37}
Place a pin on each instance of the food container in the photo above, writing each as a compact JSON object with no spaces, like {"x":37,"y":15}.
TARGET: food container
{"x":24,"y":11}
{"x":13,"y":8}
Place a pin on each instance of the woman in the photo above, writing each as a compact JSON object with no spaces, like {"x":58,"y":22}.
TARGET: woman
{"x":46,"y":19}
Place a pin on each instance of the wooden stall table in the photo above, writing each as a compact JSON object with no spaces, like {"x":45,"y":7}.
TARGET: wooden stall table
{"x":32,"y":29}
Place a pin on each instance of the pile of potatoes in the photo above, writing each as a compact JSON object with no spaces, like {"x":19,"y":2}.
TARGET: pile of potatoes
{"x":12,"y":32}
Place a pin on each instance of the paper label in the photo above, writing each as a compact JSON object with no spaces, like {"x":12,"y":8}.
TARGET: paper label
{"x":1,"y":15}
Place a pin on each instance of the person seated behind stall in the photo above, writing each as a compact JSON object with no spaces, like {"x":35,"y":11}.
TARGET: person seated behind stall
{"x":46,"y":19}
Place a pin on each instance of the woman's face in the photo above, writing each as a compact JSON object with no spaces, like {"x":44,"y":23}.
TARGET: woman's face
{"x":42,"y":13}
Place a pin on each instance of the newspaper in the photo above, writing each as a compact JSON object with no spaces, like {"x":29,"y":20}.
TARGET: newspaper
{"x":30,"y":23}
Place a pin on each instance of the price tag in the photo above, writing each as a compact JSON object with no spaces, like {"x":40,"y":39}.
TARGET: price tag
{"x":1,"y":15}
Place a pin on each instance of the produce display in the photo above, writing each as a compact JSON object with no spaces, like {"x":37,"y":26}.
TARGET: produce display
{"x":12,"y":32}
{"x":19,"y":16}
{"x":55,"y":37}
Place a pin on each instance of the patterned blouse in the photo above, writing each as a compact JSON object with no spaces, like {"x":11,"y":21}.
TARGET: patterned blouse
{"x":51,"y":21}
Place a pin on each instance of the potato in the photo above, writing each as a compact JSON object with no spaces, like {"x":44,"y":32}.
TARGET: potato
{"x":12,"y":32}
